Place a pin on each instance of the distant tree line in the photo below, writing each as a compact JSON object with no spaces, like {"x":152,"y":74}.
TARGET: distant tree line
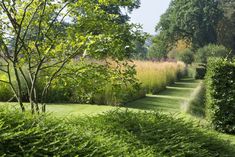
{"x":195,"y":23}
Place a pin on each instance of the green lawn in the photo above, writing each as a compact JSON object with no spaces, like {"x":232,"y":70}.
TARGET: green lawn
{"x":169,"y":100}
{"x":70,"y":109}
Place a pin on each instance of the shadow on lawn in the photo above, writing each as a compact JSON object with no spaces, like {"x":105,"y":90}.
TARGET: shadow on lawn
{"x":170,"y":99}
{"x":166,"y":135}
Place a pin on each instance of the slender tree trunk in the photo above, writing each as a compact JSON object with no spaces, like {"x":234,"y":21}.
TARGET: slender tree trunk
{"x":36,"y":101}
{"x":21,"y":104}
{"x":44,"y":107}
{"x":32,"y":105}
{"x":19,"y":88}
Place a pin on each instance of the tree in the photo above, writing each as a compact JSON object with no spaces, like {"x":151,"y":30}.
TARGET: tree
{"x":158,"y":49}
{"x":186,"y":56}
{"x":140,"y":46}
{"x":226,"y":27}
{"x":193,"y":21}
{"x":33,"y":47}
{"x":211,"y":50}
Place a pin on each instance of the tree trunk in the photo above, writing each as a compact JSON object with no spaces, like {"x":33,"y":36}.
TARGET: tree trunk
{"x":44,"y":107}
{"x":21,"y":105}
{"x":19,"y":88}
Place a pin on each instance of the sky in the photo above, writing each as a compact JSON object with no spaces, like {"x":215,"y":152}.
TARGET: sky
{"x":148,"y":15}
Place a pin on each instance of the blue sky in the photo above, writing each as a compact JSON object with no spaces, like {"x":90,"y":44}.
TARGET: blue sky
{"x":149,"y":14}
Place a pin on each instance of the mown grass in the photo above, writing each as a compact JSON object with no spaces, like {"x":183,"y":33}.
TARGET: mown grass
{"x":64,"y":110}
{"x":169,"y":100}
{"x":117,"y":133}
{"x":196,"y":104}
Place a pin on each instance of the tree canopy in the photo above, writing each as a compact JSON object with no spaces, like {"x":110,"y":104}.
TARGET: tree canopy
{"x":194,"y":21}
{"x":226,"y":27}
{"x":38,"y":38}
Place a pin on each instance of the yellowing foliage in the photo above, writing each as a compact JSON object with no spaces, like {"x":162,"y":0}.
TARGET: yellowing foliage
{"x":155,"y":76}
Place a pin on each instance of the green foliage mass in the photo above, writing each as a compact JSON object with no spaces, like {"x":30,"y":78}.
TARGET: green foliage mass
{"x":158,"y":49}
{"x":186,"y":56}
{"x":200,"y":72}
{"x":93,"y":82}
{"x":211,"y":50}
{"x":226,"y":27}
{"x":42,"y":36}
{"x":193,"y":21}
{"x":114,"y":134}
{"x":220,"y":85}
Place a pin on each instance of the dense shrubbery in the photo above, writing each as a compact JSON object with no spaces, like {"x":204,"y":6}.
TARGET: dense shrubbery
{"x":220,"y":83}
{"x":211,"y":50}
{"x":113,"y":134}
{"x":200,"y":71}
{"x":186,"y":56}
{"x":5,"y":91}
{"x":96,"y":82}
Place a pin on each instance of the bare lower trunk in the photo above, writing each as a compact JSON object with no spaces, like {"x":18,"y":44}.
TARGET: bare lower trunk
{"x":19,"y":89}
{"x":43,"y":107}
{"x":36,"y":100}
{"x":32,"y":106}
{"x":21,"y":105}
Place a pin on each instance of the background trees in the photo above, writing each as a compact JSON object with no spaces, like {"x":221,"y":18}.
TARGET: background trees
{"x":226,"y":27}
{"x":194,"y":21}
{"x":197,"y":23}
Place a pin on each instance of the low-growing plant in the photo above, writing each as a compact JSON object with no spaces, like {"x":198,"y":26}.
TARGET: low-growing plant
{"x":116,"y":133}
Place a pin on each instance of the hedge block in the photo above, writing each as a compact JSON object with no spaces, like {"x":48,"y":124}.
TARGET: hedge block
{"x":220,"y":87}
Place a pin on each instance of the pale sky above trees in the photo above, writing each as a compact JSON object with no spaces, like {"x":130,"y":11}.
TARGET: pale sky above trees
{"x":149,"y":14}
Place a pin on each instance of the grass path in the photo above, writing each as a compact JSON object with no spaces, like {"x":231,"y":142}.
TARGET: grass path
{"x":169,"y":100}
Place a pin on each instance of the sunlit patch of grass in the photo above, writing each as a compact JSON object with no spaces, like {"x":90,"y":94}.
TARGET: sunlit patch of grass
{"x":169,"y":100}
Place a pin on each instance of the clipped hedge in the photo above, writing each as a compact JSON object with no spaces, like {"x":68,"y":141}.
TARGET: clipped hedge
{"x":200,"y":72}
{"x":220,"y":86}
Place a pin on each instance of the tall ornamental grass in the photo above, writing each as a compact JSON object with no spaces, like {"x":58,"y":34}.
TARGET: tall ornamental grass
{"x":93,"y":83}
{"x":152,"y":77}
{"x":155,"y":76}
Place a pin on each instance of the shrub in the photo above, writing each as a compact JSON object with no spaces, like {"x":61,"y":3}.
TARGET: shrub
{"x":220,"y":83}
{"x":5,"y":91}
{"x":186,"y":56}
{"x":211,"y":50}
{"x":200,"y":71}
